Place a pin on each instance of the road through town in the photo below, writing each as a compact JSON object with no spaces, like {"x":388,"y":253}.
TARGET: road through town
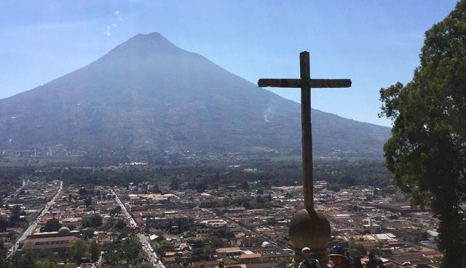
{"x":145,"y":242}
{"x":33,"y":225}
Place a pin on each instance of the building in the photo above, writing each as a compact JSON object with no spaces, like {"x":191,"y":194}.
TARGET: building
{"x":58,"y":242}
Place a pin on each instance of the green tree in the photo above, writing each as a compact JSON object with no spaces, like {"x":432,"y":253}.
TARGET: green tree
{"x":15,"y":213}
{"x":156,"y":189}
{"x":189,"y":234}
{"x":94,"y":250}
{"x":120,"y":225}
{"x":88,"y":232}
{"x":45,"y":264}
{"x":207,"y":252}
{"x":25,"y":261}
{"x":216,"y":177}
{"x":201,"y":186}
{"x":3,"y":252}
{"x":164,"y":245}
{"x":126,"y":232}
{"x":52,"y":225}
{"x":3,"y":224}
{"x":216,"y":242}
{"x":174,"y":185}
{"x":78,"y":250}
{"x":245,"y":185}
{"x":130,"y":250}
{"x":115,"y":211}
{"x":203,"y":253}
{"x":426,"y":152}
{"x":260,"y":200}
{"x":83,"y":192}
{"x":284,"y":262}
{"x":93,"y":221}
{"x":96,"y":220}
{"x":195,"y":256}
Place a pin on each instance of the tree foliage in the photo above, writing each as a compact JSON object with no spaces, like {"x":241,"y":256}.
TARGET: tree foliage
{"x":78,"y":250}
{"x":426,"y":152}
{"x":3,"y":224}
{"x":120,"y":225}
{"x":88,"y":232}
{"x":94,"y":221}
{"x":3,"y":252}
{"x":164,"y":245}
{"x":15,"y":213}
{"x":245,"y":185}
{"x":25,"y":261}
{"x":45,"y":264}
{"x":94,"y":250}
{"x":156,"y":189}
{"x":204,"y":253}
{"x":174,"y":185}
{"x":345,"y":172}
{"x":52,"y":225}
{"x":115,"y":211}
{"x":126,"y":251}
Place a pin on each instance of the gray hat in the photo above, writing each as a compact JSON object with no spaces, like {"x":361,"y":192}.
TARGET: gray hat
{"x":305,"y":249}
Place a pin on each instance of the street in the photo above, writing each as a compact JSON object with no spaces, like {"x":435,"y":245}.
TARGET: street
{"x":7,"y":199}
{"x":33,"y":225}
{"x":145,"y":242}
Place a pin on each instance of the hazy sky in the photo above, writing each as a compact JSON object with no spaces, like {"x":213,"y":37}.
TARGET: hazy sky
{"x":375,"y":43}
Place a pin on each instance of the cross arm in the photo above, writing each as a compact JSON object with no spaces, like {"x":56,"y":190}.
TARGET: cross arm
{"x":299,"y":83}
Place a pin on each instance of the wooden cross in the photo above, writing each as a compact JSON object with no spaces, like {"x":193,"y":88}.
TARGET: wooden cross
{"x":306,"y":83}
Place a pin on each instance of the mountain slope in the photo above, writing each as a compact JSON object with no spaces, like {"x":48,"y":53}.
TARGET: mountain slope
{"x":147,"y":95}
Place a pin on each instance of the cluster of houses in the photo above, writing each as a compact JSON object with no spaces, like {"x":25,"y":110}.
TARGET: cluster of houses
{"x":363,"y":220}
{"x":201,"y":229}
{"x":24,"y":206}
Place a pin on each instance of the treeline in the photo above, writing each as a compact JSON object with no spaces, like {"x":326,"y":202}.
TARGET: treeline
{"x":344,"y":173}
{"x":356,"y":172}
{"x":102,"y":176}
{"x":259,"y":175}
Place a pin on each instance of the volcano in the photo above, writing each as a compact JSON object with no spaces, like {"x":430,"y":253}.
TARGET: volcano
{"x":147,"y":97}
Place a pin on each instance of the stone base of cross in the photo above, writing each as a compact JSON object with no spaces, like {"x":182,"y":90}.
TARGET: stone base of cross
{"x":308,"y":228}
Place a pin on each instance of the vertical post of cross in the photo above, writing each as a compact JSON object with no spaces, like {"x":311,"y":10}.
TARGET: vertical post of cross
{"x":306,"y":127}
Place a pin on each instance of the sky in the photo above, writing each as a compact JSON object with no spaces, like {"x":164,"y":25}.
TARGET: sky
{"x":374,"y":43}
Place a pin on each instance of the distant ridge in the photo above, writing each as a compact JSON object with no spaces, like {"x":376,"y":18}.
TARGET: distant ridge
{"x":147,"y":97}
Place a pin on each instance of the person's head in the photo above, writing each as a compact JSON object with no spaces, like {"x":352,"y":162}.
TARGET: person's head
{"x":357,"y":260}
{"x":338,"y":256}
{"x":306,"y":251}
{"x":371,"y":256}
